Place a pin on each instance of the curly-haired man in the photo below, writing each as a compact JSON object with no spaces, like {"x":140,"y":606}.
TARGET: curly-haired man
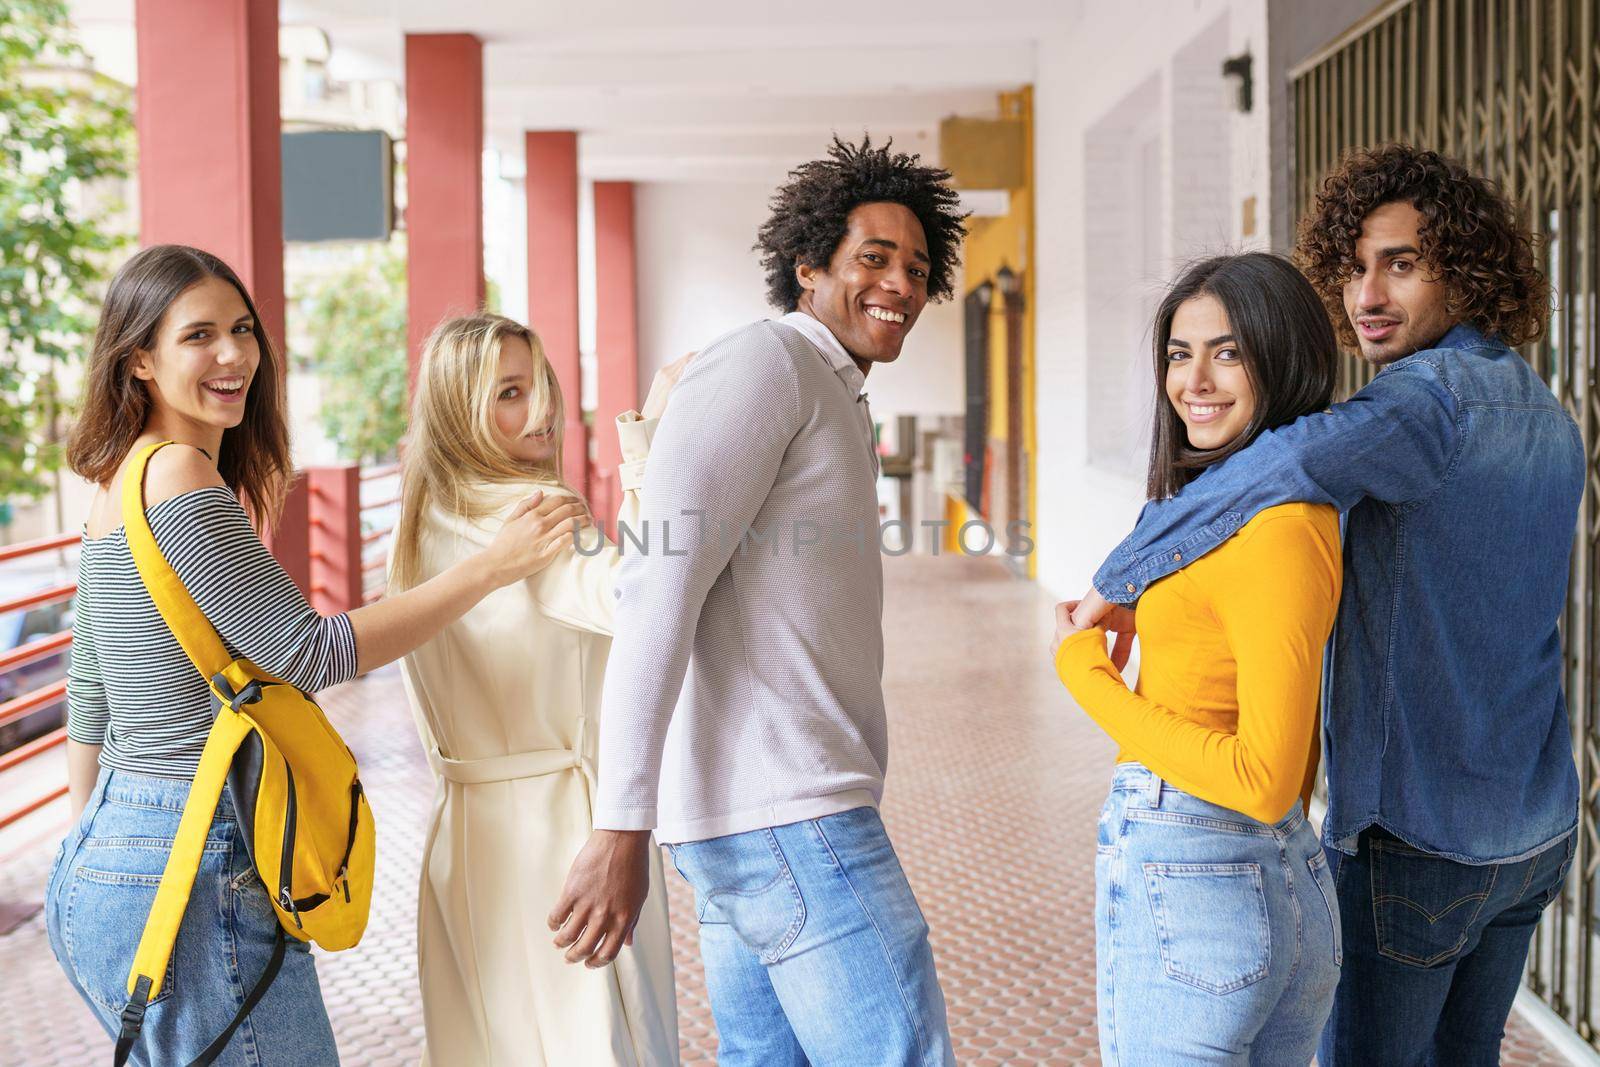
{"x":1452,"y":794}
{"x":742,"y":716}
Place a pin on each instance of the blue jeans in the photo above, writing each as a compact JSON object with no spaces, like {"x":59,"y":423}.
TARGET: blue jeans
{"x":815,"y":950}
{"x":1435,"y":952}
{"x":1216,"y":936}
{"x":99,"y":894}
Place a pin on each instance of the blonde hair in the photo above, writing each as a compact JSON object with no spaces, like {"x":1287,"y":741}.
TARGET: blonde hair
{"x":452,"y":450}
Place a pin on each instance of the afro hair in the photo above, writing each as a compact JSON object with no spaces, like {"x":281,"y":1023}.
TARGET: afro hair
{"x":811,"y":213}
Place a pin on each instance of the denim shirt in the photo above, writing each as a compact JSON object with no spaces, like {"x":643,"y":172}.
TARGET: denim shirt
{"x":1460,"y":475}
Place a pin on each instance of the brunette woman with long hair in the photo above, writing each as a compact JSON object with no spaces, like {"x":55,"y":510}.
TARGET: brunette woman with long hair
{"x":180,"y":355}
{"x":1216,"y":926}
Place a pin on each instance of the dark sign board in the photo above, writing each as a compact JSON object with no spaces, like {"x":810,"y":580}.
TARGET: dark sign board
{"x":338,"y":185}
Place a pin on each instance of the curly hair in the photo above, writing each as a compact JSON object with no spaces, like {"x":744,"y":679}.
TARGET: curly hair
{"x":811,"y":213}
{"x":1470,"y":235}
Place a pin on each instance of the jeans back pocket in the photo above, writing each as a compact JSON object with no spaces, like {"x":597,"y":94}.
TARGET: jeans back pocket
{"x":104,"y":917}
{"x":744,"y":880}
{"x":1211,"y":921}
{"x":1424,"y":906}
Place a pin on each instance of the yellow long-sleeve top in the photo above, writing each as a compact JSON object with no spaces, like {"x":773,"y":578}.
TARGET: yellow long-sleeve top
{"x":1226,"y":705}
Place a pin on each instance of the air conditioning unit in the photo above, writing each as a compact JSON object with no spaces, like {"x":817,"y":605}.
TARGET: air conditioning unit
{"x":984,"y":153}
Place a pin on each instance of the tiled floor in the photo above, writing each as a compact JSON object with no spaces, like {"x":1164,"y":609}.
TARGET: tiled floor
{"x":993,"y":788}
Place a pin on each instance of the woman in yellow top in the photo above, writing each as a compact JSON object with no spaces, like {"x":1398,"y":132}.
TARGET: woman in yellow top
{"x":1217,"y":936}
{"x":506,"y":701}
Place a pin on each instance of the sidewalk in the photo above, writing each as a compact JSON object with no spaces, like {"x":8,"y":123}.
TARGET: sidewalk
{"x":995,"y":781}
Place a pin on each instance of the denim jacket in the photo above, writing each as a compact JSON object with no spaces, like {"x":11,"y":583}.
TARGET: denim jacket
{"x":1460,"y":475}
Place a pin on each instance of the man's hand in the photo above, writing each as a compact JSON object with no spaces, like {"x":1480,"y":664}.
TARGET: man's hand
{"x":1094,"y":610}
{"x":604,"y":894}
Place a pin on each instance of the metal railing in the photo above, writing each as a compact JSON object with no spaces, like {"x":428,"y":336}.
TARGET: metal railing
{"x":350,"y":515}
{"x":26,"y":798}
{"x":378,"y":519}
{"x":1510,"y":88}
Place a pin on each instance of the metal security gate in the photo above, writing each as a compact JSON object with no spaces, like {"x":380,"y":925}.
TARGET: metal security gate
{"x":1509,"y":88}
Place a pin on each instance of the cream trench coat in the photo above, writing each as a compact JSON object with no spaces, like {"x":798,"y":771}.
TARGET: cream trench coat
{"x":506,"y":701}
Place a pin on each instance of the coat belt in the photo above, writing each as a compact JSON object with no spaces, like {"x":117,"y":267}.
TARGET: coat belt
{"x":535,"y":763}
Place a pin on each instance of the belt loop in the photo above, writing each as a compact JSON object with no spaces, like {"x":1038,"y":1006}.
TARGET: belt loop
{"x":1153,"y":791}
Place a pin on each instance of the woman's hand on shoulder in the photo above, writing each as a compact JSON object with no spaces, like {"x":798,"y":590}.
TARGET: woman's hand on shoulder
{"x":661,"y":387}
{"x":534,"y":533}
{"x":179,"y":469}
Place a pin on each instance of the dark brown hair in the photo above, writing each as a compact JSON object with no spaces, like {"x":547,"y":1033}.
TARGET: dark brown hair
{"x":1285,"y":344}
{"x":116,"y":405}
{"x":1470,"y":235}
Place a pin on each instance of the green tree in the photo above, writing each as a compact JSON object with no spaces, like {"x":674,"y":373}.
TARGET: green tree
{"x":62,"y":127}
{"x":355,"y":325}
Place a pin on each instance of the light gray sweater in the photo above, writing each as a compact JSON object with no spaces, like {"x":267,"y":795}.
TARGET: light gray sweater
{"x":744,"y":688}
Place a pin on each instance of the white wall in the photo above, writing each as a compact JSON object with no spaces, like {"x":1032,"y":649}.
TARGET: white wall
{"x":505,"y":260}
{"x":698,"y":278}
{"x":929,"y":378}
{"x":1084,"y":71}
{"x":1125,"y":237}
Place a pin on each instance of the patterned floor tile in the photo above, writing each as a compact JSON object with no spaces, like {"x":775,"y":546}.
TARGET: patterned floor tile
{"x":994,"y":785}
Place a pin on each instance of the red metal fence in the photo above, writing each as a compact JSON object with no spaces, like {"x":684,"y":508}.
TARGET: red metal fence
{"x":43,"y":697}
{"x":334,"y":538}
{"x":349,"y":513}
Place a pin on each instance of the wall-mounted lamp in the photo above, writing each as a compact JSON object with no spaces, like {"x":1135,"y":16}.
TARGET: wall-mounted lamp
{"x":1239,"y":67}
{"x":1007,"y":280}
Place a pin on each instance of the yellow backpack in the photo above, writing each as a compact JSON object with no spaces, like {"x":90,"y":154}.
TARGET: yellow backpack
{"x":295,"y":789}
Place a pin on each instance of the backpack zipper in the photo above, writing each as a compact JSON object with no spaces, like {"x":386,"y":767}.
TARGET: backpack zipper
{"x":350,"y":839}
{"x":286,"y":858}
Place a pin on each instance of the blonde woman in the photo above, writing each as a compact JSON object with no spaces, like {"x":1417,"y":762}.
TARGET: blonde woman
{"x":506,"y":701}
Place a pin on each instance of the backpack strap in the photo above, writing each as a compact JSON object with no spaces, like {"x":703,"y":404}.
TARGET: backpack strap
{"x":205,"y":650}
{"x":177,"y":877}
{"x":209,"y":1054}
{"x":182,"y":615}
{"x":274,"y":962}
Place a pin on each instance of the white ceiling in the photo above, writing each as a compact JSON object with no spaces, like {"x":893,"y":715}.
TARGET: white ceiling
{"x":706,"y":89}
{"x":664,"y":90}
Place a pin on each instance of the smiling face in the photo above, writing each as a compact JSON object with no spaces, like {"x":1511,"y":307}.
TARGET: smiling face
{"x":199,"y":368}
{"x":1206,"y":379}
{"x":1395,"y":301}
{"x":513,"y":408}
{"x":876,"y":285}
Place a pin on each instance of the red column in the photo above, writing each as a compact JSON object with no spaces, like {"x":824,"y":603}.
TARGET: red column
{"x":444,"y":181}
{"x":334,"y":502}
{"x":617,"y":332}
{"x":210,"y":172}
{"x":290,"y":539}
{"x":552,"y":186}
{"x":210,"y":165}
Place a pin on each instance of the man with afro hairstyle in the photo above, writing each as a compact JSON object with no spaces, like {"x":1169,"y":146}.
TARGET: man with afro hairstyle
{"x":742,"y":717}
{"x":1452,"y":794}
